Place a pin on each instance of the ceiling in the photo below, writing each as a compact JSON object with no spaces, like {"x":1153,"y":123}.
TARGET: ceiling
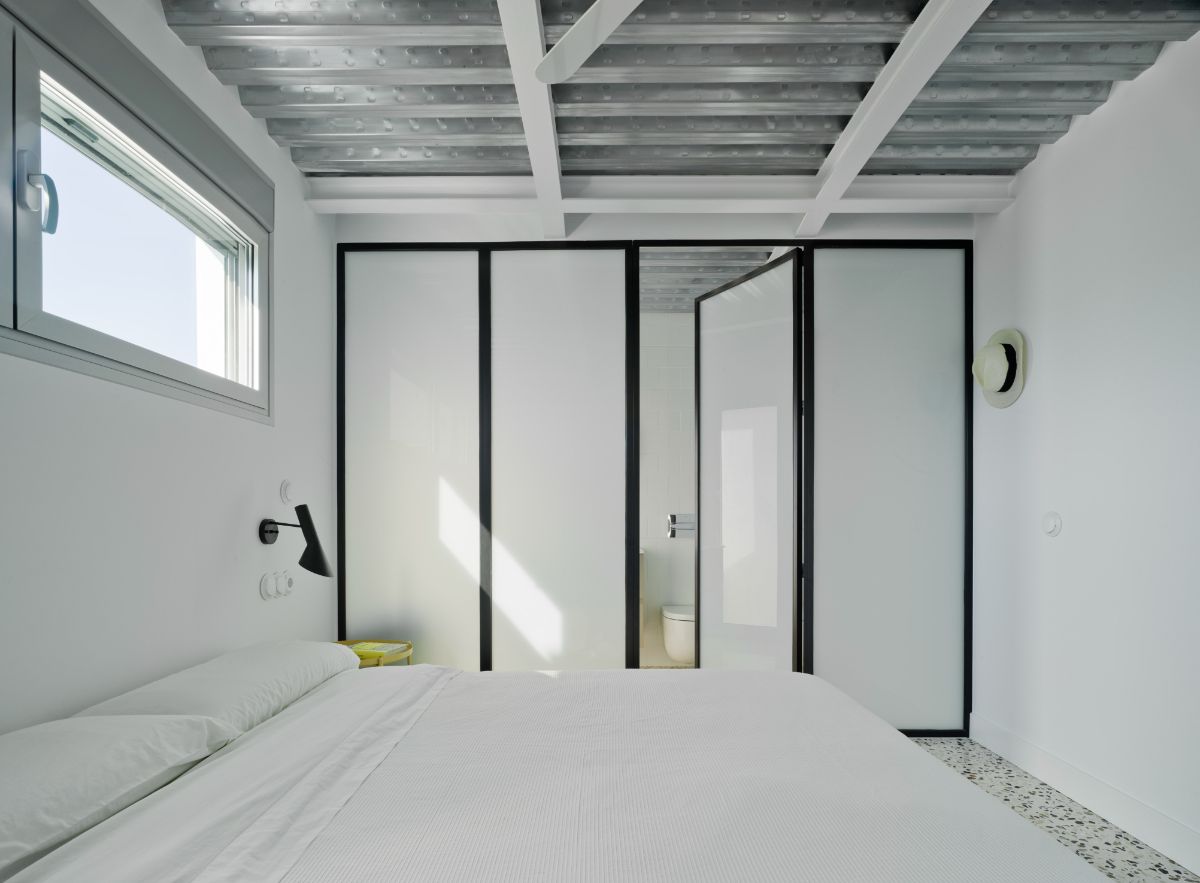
{"x":423,"y":87}
{"x":689,"y":106}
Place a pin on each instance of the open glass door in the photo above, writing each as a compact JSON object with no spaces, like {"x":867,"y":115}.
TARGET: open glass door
{"x":747,"y":382}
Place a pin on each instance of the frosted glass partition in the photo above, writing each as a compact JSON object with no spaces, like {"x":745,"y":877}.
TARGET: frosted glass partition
{"x":558,"y":459}
{"x":747,"y":511}
{"x":412,"y":451}
{"x":888,"y":416}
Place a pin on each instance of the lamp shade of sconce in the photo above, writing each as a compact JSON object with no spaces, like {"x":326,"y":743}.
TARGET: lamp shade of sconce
{"x":313,"y":559}
{"x":999,"y":368}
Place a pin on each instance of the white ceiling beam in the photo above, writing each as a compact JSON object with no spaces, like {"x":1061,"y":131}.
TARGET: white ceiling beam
{"x":620,"y":205}
{"x":659,"y":194}
{"x":361,"y":186}
{"x":938,"y":28}
{"x":421,"y":205}
{"x":526,"y":42}
{"x":585,"y":36}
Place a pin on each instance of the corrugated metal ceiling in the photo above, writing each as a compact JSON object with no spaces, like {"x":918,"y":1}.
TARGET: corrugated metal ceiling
{"x":683,"y":87}
{"x":422,"y":87}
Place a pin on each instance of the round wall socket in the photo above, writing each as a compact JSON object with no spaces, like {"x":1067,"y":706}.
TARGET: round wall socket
{"x":275,"y":585}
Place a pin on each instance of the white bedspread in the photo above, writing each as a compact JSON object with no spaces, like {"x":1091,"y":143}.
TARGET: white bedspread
{"x":429,"y":774}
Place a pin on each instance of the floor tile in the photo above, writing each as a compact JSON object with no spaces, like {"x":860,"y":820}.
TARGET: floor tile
{"x":1118,"y":854}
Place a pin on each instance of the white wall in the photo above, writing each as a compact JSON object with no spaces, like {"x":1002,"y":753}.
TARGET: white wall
{"x":501,"y":228}
{"x":667,"y":400}
{"x":1087,"y":656}
{"x":127,"y":519}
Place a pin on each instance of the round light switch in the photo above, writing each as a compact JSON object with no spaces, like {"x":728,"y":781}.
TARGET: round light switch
{"x":1052,"y":524}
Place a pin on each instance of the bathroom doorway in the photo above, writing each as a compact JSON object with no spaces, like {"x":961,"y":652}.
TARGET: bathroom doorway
{"x":671,"y":279}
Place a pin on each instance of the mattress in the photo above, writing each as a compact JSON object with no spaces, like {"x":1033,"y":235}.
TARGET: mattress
{"x":431,"y":774}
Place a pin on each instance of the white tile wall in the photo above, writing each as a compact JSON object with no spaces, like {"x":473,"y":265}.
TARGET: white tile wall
{"x":668,"y":458}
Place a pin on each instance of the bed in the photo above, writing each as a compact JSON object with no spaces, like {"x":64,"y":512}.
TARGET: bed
{"x":432,"y":774}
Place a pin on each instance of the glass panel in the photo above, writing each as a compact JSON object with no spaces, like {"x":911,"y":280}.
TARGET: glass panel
{"x":749,"y":452}
{"x":137,"y":254}
{"x":747,"y":511}
{"x":558,"y":459}
{"x":888,"y":492}
{"x":412,"y":451}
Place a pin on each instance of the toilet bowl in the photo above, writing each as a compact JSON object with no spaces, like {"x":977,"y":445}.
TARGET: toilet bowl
{"x":679,"y":632}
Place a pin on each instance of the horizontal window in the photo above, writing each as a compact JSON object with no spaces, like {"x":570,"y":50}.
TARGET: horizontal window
{"x":136,"y":254}
{"x":125,"y":252}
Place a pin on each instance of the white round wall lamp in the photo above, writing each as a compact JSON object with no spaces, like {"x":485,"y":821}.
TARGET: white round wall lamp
{"x":999,"y":368}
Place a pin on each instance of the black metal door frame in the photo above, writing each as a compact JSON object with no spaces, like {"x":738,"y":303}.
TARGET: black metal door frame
{"x":803,"y":455}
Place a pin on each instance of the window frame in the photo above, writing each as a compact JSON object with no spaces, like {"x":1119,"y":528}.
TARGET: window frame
{"x":7,"y":266}
{"x":37,"y":334}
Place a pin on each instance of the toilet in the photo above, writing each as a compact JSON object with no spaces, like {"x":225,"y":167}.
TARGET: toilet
{"x":679,"y":632}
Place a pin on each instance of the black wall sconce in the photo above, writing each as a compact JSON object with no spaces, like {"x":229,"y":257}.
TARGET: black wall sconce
{"x":313,"y":559}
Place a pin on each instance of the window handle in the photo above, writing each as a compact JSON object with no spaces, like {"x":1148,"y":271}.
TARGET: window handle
{"x":43,"y":181}
{"x":31,"y":186}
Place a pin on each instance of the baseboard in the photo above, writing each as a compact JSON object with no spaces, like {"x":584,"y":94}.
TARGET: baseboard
{"x":1169,"y":836}
{"x":934,"y":734}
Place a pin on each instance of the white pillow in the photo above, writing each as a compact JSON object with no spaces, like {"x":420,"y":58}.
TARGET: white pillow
{"x":63,"y":777}
{"x":240,"y":689}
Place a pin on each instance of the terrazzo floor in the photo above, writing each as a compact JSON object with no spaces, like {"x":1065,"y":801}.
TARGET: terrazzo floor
{"x":1118,"y":854}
